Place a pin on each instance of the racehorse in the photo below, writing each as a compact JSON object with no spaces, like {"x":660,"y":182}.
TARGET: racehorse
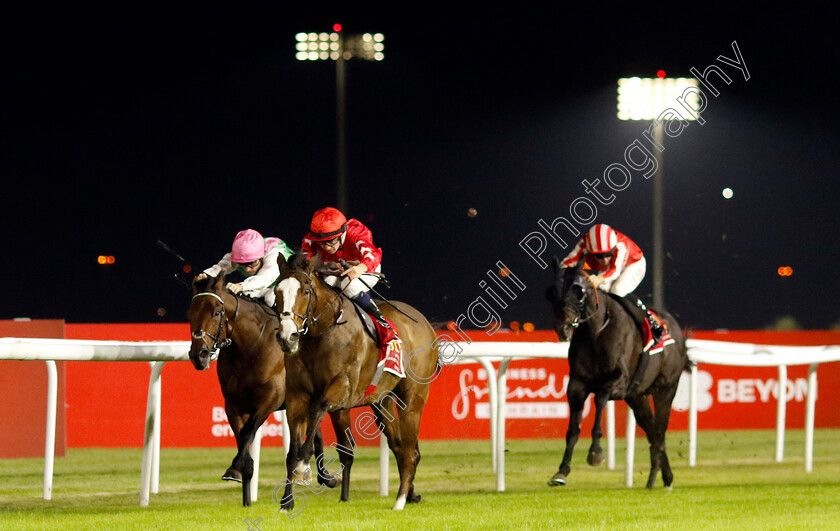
{"x":603,"y":355}
{"x":334,"y":361}
{"x":241,"y":333}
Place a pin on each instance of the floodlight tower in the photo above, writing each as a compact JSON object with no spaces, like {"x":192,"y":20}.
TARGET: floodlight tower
{"x":660,"y":99}
{"x":338,"y":47}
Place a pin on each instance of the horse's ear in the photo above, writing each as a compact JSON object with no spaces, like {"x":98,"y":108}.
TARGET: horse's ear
{"x":313,"y":262}
{"x":218,"y":283}
{"x":580,"y":263}
{"x":281,"y":261}
{"x":195,"y":282}
{"x":557,"y":264}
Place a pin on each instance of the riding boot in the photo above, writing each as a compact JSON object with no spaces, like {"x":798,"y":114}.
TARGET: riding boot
{"x":367,"y":304}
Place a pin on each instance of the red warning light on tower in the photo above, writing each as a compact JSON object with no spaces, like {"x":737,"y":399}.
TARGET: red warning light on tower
{"x":336,"y":27}
{"x":660,"y":74}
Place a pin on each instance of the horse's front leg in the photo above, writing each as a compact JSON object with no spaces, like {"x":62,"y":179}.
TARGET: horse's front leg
{"x":296,"y":416}
{"x":576,"y":394}
{"x":596,"y":454}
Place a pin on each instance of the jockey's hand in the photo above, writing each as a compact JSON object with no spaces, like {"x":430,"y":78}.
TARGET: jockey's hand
{"x":595,"y":280}
{"x":200,"y":276}
{"x":354,"y":272}
{"x":234,"y":287}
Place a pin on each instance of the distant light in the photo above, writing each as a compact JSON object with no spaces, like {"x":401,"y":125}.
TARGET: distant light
{"x":660,"y":74}
{"x":528,"y":327}
{"x":785,"y":271}
{"x":187,"y":268}
{"x":504,"y":272}
{"x":336,"y":27}
{"x":471,"y":212}
{"x":514,"y":325}
{"x":727,"y":193}
{"x":103,"y":259}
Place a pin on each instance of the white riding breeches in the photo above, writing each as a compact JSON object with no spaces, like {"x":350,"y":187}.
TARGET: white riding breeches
{"x":354,"y":287}
{"x":627,"y":281}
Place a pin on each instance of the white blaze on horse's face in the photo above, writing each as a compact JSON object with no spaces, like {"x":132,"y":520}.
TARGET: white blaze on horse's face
{"x":287,"y":290}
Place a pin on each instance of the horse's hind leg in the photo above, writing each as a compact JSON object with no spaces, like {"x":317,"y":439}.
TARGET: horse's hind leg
{"x":596,"y":453}
{"x":576,"y":394}
{"x":662,"y":401}
{"x":402,"y":435}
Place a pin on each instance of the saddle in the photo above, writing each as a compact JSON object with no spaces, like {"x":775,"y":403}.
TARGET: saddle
{"x":643,"y":317}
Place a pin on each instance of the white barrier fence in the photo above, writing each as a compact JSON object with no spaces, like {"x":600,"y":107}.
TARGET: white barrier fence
{"x":485,"y":353}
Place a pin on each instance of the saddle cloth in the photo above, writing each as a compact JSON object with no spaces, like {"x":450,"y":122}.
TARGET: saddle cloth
{"x":647,"y":335}
{"x":390,"y":354}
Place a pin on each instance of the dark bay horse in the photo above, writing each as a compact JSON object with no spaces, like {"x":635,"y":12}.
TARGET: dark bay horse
{"x":603,"y":356}
{"x":250,"y":367}
{"x":331,"y":362}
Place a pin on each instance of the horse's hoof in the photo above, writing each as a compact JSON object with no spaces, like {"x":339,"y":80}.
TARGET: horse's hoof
{"x":595,"y":458}
{"x":415,"y":499}
{"x":330,"y":481}
{"x":304,"y":479}
{"x":231,"y":474}
{"x":557,"y":479}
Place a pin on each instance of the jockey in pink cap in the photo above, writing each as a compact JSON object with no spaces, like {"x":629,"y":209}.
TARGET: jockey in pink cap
{"x":255,"y":258}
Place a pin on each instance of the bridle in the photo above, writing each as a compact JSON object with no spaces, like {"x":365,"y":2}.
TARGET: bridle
{"x":217,"y":341}
{"x":306,"y":319}
{"x":580,"y":306}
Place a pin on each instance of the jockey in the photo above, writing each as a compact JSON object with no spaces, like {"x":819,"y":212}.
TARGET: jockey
{"x":619,"y":265}
{"x":255,"y":258}
{"x":348,"y":245}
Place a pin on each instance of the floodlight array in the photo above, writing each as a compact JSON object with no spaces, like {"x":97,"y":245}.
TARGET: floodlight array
{"x":330,"y":46}
{"x":647,"y":98}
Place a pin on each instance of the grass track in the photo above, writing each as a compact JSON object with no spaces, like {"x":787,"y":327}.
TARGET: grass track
{"x":736,"y":484}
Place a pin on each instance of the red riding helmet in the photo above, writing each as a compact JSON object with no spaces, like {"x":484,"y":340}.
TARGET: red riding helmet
{"x":327,"y":223}
{"x":601,"y":239}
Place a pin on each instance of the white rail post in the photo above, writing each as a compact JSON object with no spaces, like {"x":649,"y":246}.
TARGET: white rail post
{"x":148,"y":441}
{"x":781,"y":410}
{"x":255,"y":450}
{"x":49,"y":444}
{"x":500,"y":425}
{"x":384,"y":464}
{"x":631,"y":447}
{"x":611,"y":435}
{"x":809,"y":417}
{"x":692,"y":417}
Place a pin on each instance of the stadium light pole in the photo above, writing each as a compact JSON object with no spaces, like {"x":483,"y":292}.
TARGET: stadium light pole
{"x":660,"y":99}
{"x":336,"y":46}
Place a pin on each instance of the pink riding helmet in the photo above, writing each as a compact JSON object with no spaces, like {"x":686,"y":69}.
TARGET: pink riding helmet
{"x":249,"y":245}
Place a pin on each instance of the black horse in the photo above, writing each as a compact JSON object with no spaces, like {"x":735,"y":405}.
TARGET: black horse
{"x":603,"y":356}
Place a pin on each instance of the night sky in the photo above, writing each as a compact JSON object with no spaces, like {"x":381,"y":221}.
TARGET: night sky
{"x":125,"y":125}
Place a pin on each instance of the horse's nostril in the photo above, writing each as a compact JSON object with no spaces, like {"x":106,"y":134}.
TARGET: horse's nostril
{"x":294,"y":337}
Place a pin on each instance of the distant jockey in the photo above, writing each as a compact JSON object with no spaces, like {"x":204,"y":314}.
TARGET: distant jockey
{"x":255,"y":258}
{"x":346,"y":245}
{"x":619,"y":265}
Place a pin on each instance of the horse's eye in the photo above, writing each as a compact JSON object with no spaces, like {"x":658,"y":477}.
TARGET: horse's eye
{"x":217,"y":312}
{"x":577,"y":291}
{"x":306,"y":291}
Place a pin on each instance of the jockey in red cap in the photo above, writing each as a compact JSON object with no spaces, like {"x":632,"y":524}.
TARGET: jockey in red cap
{"x":255,"y":258}
{"x":619,"y":265}
{"x":341,"y":240}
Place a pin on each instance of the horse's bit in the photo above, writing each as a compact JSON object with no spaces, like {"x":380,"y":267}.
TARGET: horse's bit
{"x":217,"y":343}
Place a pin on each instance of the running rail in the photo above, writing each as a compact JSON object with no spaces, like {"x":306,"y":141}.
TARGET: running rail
{"x":485,"y":353}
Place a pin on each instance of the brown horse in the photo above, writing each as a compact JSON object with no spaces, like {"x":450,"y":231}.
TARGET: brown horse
{"x":334,"y":360}
{"x":603,"y":356}
{"x":251,"y":369}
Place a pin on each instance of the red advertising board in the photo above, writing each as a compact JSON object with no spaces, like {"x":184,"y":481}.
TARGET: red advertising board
{"x":23,"y":393}
{"x":106,"y":401}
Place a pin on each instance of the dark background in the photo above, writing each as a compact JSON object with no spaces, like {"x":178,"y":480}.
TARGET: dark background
{"x":126,"y":124}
